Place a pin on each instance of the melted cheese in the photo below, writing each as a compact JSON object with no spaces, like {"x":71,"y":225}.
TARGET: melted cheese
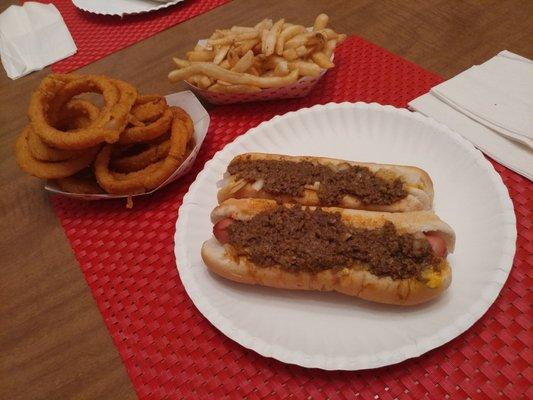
{"x":432,"y":279}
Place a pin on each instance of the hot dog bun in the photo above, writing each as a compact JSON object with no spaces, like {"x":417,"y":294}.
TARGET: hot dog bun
{"x":355,"y":281}
{"x":417,"y":182}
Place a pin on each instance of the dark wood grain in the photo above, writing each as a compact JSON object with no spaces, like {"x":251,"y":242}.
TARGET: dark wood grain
{"x":53,"y":342}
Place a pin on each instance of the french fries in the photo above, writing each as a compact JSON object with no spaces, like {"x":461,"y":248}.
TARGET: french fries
{"x":321,"y":22}
{"x":270,"y":54}
{"x":215,"y":72}
{"x":322,"y":60}
{"x":244,"y":63}
{"x":287,"y":34}
{"x":200,"y":55}
{"x":305,"y":68}
{"x":221,"y":53}
{"x":181,"y":63}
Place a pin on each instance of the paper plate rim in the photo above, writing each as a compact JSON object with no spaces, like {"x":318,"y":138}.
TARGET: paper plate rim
{"x":97,"y":11}
{"x":457,"y":327}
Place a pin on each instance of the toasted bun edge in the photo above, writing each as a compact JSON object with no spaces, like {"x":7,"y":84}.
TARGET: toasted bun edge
{"x":357,"y":283}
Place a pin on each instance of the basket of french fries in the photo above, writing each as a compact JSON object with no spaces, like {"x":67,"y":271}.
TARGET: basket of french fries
{"x":271,"y":60}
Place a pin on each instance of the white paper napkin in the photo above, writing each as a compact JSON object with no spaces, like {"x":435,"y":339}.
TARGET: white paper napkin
{"x":32,"y":37}
{"x":497,"y":94}
{"x":491,"y":105}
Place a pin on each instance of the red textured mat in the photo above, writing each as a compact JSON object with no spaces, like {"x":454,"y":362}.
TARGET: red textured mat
{"x":97,"y":36}
{"x":171,"y":351}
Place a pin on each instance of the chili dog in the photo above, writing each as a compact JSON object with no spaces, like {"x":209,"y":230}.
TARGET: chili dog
{"x":394,"y":258}
{"x":319,"y":181}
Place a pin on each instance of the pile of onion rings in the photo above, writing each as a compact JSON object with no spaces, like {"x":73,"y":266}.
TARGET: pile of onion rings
{"x":129,"y":144}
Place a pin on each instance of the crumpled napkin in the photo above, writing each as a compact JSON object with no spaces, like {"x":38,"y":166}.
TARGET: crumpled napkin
{"x":33,"y":36}
{"x":491,"y":105}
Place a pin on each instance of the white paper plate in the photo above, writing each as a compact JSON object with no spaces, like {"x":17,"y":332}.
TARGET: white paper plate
{"x":332,"y":331}
{"x":200,"y":118}
{"x":122,"y":7}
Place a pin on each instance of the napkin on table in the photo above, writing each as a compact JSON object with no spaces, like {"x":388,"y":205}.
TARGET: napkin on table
{"x":491,"y":105}
{"x":33,"y":36}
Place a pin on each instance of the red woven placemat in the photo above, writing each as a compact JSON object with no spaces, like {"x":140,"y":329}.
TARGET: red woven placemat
{"x":97,"y":36}
{"x":171,"y":351}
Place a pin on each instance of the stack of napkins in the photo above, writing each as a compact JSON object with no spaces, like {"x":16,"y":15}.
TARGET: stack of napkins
{"x":32,"y":37}
{"x":491,"y":105}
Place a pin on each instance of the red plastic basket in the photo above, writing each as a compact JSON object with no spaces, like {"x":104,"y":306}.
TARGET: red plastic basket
{"x":171,"y":351}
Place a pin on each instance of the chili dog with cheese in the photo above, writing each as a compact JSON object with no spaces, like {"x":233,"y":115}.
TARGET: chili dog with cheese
{"x":393,"y":258}
{"x":319,"y":181}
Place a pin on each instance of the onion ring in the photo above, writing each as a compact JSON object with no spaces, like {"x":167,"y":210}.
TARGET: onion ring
{"x":54,"y":91}
{"x":42,"y":152}
{"x":132,"y":120}
{"x":181,"y":114}
{"x":147,"y":132}
{"x":79,"y":113}
{"x":49,"y":170}
{"x":149,"y":107}
{"x":131,"y":144}
{"x":135,"y":162}
{"x":83,"y":182}
{"x":154,"y":174}
{"x":127,"y":96}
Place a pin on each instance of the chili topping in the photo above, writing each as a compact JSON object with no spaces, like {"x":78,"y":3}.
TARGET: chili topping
{"x":314,"y":240}
{"x":282,"y":177}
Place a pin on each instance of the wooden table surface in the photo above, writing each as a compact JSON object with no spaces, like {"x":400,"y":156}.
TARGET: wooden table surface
{"x":53,"y":342}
